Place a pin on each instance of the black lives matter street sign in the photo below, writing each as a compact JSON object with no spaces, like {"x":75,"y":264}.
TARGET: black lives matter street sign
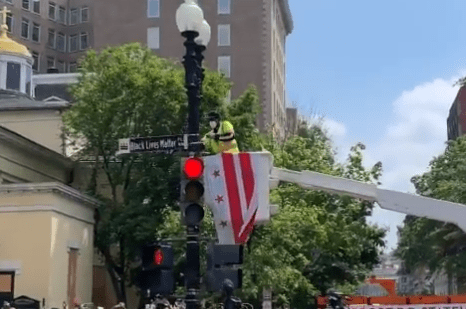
{"x":156,"y":145}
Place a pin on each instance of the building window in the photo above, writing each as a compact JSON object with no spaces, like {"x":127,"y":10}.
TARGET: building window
{"x":223,"y":6}
{"x":51,"y":39}
{"x":7,"y":284}
{"x":223,"y":35}
{"x":73,"y":16}
{"x":35,"y":57}
{"x":36,"y":6}
{"x":73,"y":42}
{"x":25,"y":28}
{"x":73,"y":67}
{"x":26,"y":4}
{"x":61,"y":42}
{"x":13,"y":75}
{"x":61,"y":66}
{"x":61,"y":15}
{"x":153,"y":38}
{"x":84,"y":14}
{"x":84,"y":40}
{"x":224,"y":65}
{"x":52,"y":10}
{"x":153,"y":8}
{"x":35,"y":32}
{"x":9,"y":22}
{"x":50,"y":62}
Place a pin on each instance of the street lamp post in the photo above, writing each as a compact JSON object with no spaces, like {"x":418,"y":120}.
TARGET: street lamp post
{"x":191,"y":23}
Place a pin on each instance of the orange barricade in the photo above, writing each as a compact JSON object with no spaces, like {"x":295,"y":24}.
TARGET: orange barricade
{"x":388,"y":300}
{"x":356,"y":300}
{"x":431,"y":299}
{"x":457,"y":299}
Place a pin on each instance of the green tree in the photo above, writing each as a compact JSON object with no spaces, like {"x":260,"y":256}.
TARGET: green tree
{"x":429,"y":243}
{"x":121,"y":92}
{"x":317,"y":240}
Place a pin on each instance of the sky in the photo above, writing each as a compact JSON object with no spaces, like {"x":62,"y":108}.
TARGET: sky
{"x":380,"y":73}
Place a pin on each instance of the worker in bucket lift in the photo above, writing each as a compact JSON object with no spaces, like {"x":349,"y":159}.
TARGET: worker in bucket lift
{"x":222,"y":136}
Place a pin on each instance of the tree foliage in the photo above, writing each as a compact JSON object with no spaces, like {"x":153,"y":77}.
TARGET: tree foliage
{"x":434,"y":244}
{"x":122,"y":92}
{"x":316,"y":241}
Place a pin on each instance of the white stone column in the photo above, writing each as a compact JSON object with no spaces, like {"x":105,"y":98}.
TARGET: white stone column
{"x":22,"y":80}
{"x":2,"y":74}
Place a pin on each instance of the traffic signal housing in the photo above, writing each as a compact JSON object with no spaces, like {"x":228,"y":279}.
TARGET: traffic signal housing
{"x":192,"y":191}
{"x":156,"y":275}
{"x":223,"y":263}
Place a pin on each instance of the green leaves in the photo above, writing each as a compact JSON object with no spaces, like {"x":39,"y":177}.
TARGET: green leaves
{"x":317,"y":240}
{"x":424,"y":242}
{"x":127,"y":91}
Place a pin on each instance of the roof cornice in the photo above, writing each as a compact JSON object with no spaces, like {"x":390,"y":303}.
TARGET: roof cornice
{"x":288,"y":18}
{"x":52,"y":187}
{"x":55,"y":78}
{"x":34,"y":148}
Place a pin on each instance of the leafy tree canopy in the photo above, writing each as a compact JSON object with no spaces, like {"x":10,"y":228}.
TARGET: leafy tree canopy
{"x":430,"y":243}
{"x":317,"y":240}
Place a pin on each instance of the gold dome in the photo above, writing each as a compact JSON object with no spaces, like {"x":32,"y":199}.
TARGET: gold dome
{"x":7,"y":45}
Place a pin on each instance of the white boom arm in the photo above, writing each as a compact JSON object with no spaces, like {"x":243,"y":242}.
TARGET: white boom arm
{"x":392,"y":200}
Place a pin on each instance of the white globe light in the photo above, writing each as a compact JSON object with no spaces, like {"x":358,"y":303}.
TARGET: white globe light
{"x":189,"y":16}
{"x":204,"y":34}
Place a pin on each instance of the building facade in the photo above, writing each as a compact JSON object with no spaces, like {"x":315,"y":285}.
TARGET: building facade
{"x":47,"y":227}
{"x":247,"y":45}
{"x":247,"y":42}
{"x":456,"y":122}
{"x":57,"y":33}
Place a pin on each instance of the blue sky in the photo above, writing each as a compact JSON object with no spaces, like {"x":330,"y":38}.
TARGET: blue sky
{"x":381,"y":73}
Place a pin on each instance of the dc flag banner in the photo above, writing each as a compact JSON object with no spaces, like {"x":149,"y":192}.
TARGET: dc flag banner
{"x":237,"y":192}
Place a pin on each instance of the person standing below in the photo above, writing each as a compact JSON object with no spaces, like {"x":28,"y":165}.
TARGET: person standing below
{"x":222,"y":136}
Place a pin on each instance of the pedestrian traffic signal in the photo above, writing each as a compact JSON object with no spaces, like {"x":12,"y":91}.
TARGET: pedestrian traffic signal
{"x":192,"y":191}
{"x":156,"y":275}
{"x":157,"y":255}
{"x":222,"y":265}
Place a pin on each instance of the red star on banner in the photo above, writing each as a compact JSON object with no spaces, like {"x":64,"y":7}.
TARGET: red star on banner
{"x":219,"y":199}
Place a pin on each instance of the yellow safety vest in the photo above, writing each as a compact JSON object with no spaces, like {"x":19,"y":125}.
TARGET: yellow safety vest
{"x":222,"y":146}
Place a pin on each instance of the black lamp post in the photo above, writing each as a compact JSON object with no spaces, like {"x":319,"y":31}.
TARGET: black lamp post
{"x":191,"y":23}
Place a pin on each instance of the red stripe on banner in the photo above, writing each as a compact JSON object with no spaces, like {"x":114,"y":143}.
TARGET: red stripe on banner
{"x":233,"y":194}
{"x":247,"y":231}
{"x":248,"y":176}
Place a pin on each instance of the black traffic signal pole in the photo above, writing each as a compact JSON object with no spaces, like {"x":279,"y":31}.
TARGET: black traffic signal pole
{"x":194,"y":76}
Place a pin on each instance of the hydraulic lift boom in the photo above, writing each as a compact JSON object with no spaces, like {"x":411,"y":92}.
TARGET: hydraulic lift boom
{"x":392,"y":200}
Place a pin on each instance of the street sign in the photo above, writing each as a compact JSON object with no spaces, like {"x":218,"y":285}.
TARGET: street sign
{"x":156,"y":145}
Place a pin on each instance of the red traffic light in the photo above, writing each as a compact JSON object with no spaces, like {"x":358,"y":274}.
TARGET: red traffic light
{"x":158,"y":257}
{"x":193,"y":168}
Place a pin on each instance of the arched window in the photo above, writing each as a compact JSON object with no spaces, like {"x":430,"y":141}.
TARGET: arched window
{"x":13,"y":75}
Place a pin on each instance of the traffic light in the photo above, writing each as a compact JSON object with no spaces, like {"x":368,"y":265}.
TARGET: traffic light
{"x":156,"y":276}
{"x":222,"y":264}
{"x":192,"y":191}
